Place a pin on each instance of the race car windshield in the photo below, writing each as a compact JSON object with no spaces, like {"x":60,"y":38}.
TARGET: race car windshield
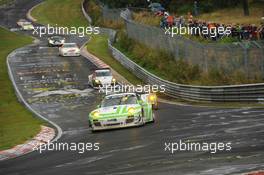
{"x":103,"y":73}
{"x":69,"y":45}
{"x":119,"y":100}
{"x":57,"y":38}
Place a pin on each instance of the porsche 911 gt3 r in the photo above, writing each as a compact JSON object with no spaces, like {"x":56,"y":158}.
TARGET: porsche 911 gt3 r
{"x":101,"y":77}
{"x":121,"y":110}
{"x":69,"y":49}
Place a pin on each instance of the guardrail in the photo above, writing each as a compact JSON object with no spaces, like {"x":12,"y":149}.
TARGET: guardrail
{"x":232,"y":93}
{"x":110,"y":32}
{"x":238,"y":93}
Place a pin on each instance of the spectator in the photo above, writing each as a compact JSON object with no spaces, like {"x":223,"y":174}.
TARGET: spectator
{"x":170,"y":21}
{"x":190,"y":17}
{"x":238,"y":31}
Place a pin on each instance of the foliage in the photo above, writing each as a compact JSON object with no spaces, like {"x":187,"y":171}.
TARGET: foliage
{"x":165,"y":66}
{"x":95,"y":13}
{"x":179,"y":6}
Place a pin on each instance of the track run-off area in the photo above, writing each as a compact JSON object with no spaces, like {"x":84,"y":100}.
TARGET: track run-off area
{"x":57,"y":88}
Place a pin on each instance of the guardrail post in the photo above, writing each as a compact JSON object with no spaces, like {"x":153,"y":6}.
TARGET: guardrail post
{"x":245,"y":47}
{"x":262,"y":56}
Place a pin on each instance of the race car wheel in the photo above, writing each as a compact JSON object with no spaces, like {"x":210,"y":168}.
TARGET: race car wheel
{"x":153,"y":118}
{"x":142,"y":117}
{"x":155,"y":106}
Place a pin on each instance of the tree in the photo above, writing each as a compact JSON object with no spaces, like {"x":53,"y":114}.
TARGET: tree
{"x":245,"y":7}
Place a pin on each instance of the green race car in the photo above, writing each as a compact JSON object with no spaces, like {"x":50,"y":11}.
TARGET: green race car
{"x":122,"y":110}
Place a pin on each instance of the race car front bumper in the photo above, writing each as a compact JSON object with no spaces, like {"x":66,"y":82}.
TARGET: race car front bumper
{"x":55,"y":44}
{"x":106,"y":124}
{"x":70,"y":54}
{"x":104,"y":86}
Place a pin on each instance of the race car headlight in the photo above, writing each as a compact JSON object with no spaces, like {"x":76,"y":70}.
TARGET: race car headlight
{"x":152,"y":98}
{"x":113,"y":80}
{"x":131,"y":111}
{"x":97,"y":81}
{"x":96,"y":114}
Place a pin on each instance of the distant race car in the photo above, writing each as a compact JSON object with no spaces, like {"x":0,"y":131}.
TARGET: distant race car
{"x":25,"y":25}
{"x":156,"y":7}
{"x":56,"y":41}
{"x":101,"y":77}
{"x":121,"y":110}
{"x":69,"y":49}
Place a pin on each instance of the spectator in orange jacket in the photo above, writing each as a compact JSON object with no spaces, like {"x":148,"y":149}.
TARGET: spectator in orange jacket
{"x":170,"y":21}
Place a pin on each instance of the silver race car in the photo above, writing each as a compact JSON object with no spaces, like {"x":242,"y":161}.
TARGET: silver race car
{"x":101,"y":77}
{"x":69,"y":49}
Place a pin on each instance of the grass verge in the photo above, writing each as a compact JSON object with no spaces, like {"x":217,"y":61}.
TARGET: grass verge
{"x":95,"y":12}
{"x":98,"y":46}
{"x":235,"y":15}
{"x":180,"y":71}
{"x":2,"y":2}
{"x":16,"y":123}
{"x":63,"y":13}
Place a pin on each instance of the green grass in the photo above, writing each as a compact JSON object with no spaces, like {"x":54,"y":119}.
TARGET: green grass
{"x":95,"y":13}
{"x":16,"y":123}
{"x":5,"y":1}
{"x":98,"y":46}
{"x":61,"y":12}
{"x":235,"y":15}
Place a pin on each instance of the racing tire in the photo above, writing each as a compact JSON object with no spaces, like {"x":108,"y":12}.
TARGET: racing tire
{"x":153,"y":119}
{"x":142,"y":117}
{"x":155,"y":107}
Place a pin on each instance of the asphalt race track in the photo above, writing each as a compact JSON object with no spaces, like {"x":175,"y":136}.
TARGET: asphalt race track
{"x":57,"y":88}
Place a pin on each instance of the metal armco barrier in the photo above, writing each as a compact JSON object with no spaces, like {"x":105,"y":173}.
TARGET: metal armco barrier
{"x":232,"y":93}
{"x":238,"y":93}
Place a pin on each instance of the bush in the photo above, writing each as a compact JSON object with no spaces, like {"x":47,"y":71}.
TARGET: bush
{"x":95,"y":13}
{"x":179,"y":71}
{"x":157,"y":61}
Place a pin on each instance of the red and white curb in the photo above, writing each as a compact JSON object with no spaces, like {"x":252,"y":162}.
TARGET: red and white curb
{"x":255,"y":173}
{"x":45,"y":135}
{"x":96,"y":61}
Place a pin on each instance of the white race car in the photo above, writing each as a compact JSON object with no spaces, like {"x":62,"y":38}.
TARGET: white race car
{"x":101,"y":77}
{"x":25,"y":25}
{"x":121,"y":110}
{"x":69,"y":49}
